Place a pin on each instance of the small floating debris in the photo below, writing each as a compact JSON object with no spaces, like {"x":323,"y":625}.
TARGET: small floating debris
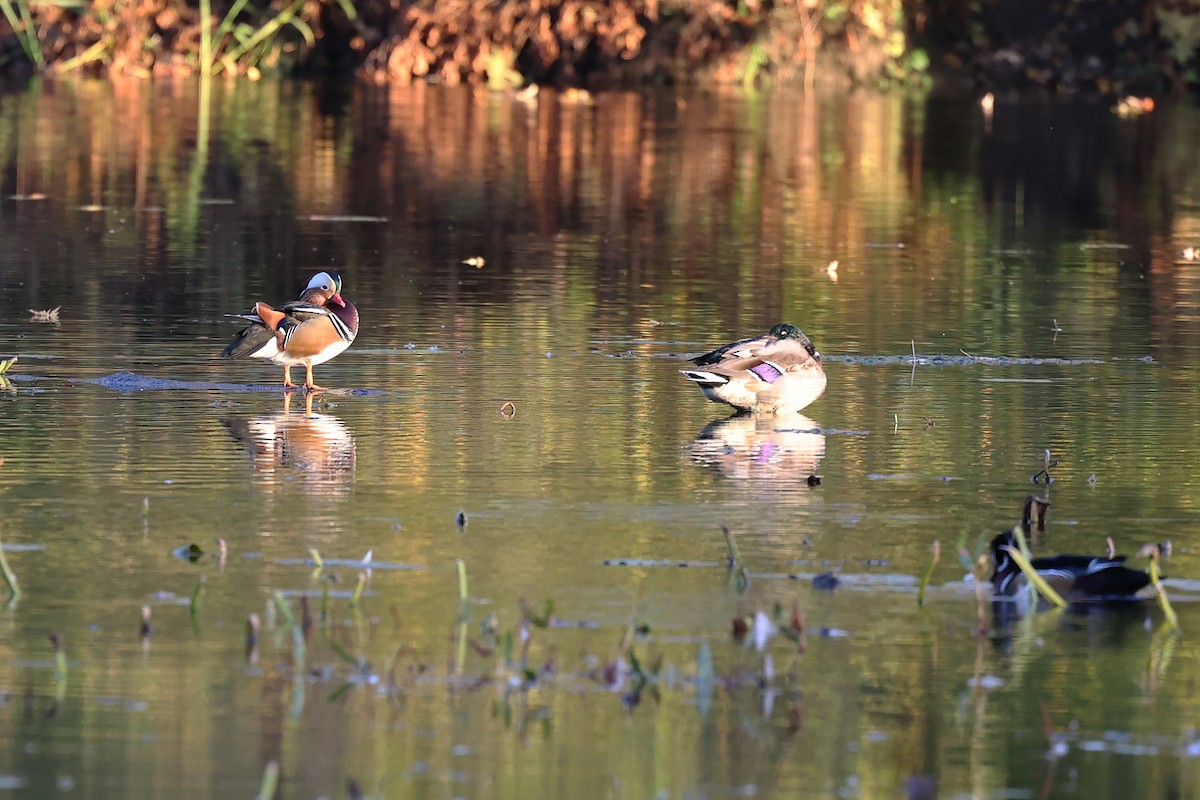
{"x":30,"y":196}
{"x":1133,"y":106}
{"x":508,"y":410}
{"x":188,"y":552}
{"x":367,"y":562}
{"x":478,"y":262}
{"x":340,"y":218}
{"x":832,"y":271}
{"x":216,"y":201}
{"x":6,"y":365}
{"x":986,"y":682}
{"x":658,"y":562}
{"x":987,"y":104}
{"x":1190,"y":253}
{"x":834,"y":633}
{"x":460,"y":519}
{"x":92,"y":208}
{"x":826,"y":582}
{"x":1103,"y":246}
{"x":145,"y":629}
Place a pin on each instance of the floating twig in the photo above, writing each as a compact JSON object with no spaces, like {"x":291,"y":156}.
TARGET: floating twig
{"x":733,"y":554}
{"x":1044,"y":472}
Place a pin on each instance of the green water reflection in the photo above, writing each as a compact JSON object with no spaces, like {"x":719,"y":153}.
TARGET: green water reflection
{"x":617,"y":235}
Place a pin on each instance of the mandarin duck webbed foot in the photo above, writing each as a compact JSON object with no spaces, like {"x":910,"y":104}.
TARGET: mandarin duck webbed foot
{"x":309,"y":331}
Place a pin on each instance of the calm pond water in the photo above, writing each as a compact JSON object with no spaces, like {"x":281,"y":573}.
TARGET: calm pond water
{"x":617,"y":235}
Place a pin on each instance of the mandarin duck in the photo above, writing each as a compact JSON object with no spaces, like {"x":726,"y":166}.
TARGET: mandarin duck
{"x":1074,"y":577}
{"x":778,"y":373}
{"x":308,"y":331}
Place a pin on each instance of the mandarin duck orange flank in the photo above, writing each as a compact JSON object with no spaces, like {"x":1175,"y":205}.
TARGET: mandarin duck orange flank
{"x":308,"y":331}
{"x":779,"y":373}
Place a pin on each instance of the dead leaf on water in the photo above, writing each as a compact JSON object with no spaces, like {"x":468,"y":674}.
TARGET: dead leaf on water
{"x":47,"y":315}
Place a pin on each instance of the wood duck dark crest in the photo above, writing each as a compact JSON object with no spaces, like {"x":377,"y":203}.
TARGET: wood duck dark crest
{"x":1075,"y":577}
{"x":778,"y":373}
{"x":307,"y":331}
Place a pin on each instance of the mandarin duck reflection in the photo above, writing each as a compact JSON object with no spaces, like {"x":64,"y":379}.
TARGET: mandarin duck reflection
{"x":308,"y":331}
{"x":320,"y":448}
{"x":779,"y":373}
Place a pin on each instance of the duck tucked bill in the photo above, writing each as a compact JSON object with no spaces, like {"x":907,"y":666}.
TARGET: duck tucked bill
{"x":308,"y":331}
{"x":778,"y":373}
{"x":1075,"y":577}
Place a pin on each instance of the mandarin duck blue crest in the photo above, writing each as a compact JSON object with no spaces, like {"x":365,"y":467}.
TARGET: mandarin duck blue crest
{"x":779,"y":373}
{"x":311,"y":330}
{"x":1075,"y":577}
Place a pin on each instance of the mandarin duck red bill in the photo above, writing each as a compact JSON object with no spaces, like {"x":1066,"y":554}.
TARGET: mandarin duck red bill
{"x":308,"y":331}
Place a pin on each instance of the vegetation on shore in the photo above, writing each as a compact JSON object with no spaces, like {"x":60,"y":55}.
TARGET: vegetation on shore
{"x":567,"y":43}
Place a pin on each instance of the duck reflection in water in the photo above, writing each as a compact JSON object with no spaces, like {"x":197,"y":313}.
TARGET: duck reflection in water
{"x":1096,"y":587}
{"x":317,"y":448}
{"x":770,"y":456}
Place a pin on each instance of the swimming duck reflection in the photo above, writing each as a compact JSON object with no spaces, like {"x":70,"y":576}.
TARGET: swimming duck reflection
{"x":317,"y":448}
{"x":774,"y":454}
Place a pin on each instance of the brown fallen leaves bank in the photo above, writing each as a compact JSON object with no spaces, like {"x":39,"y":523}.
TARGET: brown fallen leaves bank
{"x":504,"y":43}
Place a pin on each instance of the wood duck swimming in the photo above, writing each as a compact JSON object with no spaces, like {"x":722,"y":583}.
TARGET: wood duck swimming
{"x":1075,"y":577}
{"x":779,"y":373}
{"x":308,"y":331}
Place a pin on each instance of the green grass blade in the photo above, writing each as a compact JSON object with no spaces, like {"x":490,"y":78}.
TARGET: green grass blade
{"x":268,"y":30}
{"x":29,"y":33}
{"x":937,"y":553}
{"x":1163,"y":601}
{"x":10,"y":577}
{"x":270,"y":782}
{"x":1038,"y":582}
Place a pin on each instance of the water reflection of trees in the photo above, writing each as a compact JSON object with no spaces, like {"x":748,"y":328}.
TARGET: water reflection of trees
{"x":719,"y":209}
